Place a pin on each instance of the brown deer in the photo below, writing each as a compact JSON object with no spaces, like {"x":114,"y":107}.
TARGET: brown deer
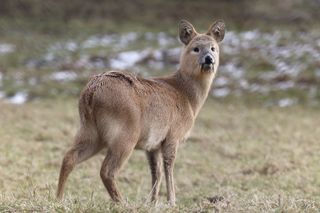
{"x":124,"y":112}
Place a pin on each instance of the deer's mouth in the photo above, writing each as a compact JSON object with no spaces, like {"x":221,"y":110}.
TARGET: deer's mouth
{"x":207,"y":67}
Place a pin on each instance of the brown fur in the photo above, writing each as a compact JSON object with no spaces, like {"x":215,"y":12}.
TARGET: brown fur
{"x":122,"y":112}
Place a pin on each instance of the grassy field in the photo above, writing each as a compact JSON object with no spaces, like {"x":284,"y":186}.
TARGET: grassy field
{"x":239,"y":158}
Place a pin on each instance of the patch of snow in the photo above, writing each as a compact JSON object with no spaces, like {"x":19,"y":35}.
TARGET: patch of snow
{"x":232,"y":39}
{"x":64,"y":75}
{"x":91,"y":42}
{"x":49,"y":56}
{"x":107,"y":40}
{"x":96,"y":41}
{"x":287,"y":68}
{"x":221,"y":81}
{"x":126,"y":39}
{"x":284,"y":85}
{"x":164,"y":39}
{"x":250,"y":35}
{"x":127,"y":59}
{"x":232,"y":70}
{"x":6,"y":48}
{"x":285,"y":102}
{"x":269,"y":75}
{"x":259,"y":88}
{"x":157,"y":55}
{"x":174,"y":51}
{"x":36,"y":63}
{"x":18,"y":98}
{"x":244,"y":84}
{"x":71,"y":46}
{"x":221,"y":92}
{"x":2,"y":94}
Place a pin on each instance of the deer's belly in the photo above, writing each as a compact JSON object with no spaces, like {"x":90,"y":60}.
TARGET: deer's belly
{"x":152,"y":138}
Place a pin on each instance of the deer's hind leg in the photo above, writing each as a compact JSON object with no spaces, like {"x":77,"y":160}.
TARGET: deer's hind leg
{"x":119,"y":150}
{"x":85,"y":146}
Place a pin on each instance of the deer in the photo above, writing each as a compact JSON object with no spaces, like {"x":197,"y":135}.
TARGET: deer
{"x":121,"y":112}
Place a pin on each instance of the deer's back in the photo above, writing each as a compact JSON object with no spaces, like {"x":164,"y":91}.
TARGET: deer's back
{"x":152,"y":107}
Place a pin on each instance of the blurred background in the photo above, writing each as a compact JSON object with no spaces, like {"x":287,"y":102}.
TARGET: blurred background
{"x":270,"y":55}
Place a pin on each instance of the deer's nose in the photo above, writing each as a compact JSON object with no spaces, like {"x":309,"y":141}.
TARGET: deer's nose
{"x":208,"y":60}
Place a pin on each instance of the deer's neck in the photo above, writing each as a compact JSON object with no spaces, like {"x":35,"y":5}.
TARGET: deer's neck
{"x":195,"y":88}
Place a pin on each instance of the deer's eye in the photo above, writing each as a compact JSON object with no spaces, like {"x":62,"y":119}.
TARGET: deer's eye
{"x":196,"y":49}
{"x":212,"y":49}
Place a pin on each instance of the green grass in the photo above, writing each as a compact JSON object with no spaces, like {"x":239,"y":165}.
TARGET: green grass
{"x":247,"y":158}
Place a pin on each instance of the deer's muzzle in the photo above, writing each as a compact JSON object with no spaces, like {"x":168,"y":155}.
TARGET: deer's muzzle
{"x":207,"y":62}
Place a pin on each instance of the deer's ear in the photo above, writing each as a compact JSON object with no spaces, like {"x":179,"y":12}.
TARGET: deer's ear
{"x":217,"y":30}
{"x":186,"y":32}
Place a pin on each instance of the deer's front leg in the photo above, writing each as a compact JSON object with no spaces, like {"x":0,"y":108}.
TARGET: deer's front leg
{"x":154,"y":159}
{"x":169,"y":150}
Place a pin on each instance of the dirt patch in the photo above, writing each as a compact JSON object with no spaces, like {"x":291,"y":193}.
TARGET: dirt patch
{"x":215,"y":199}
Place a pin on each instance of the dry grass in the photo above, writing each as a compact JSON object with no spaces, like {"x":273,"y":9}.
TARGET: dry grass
{"x":238,"y":159}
